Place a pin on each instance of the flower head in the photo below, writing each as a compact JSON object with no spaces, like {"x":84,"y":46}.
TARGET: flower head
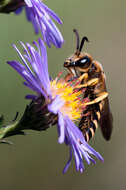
{"x":61,"y":99}
{"x":39,"y":15}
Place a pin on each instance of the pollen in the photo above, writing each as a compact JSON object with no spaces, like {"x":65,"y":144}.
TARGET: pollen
{"x":73,"y":103}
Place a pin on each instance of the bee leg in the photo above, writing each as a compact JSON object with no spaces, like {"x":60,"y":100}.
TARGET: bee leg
{"x":91,"y":82}
{"x":100,"y":97}
{"x":83,"y":77}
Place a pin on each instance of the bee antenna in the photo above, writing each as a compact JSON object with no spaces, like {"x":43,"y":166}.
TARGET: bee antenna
{"x":82,"y":42}
{"x":78,"y":40}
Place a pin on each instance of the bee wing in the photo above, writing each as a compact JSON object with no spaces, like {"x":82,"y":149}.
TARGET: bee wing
{"x":106,"y":120}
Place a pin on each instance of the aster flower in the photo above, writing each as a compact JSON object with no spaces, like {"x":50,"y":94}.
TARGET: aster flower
{"x":59,"y":98}
{"x":40,"y":16}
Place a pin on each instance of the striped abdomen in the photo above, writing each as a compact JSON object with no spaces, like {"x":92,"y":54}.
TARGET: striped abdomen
{"x":89,"y":122}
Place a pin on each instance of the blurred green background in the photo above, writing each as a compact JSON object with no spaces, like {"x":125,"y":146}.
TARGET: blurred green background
{"x":36,"y":160}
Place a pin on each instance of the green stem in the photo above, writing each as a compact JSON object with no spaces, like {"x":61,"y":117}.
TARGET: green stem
{"x":12,"y":129}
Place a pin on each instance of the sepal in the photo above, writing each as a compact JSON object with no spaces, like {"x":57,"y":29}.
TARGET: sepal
{"x":36,"y":117}
{"x":8,"y":6}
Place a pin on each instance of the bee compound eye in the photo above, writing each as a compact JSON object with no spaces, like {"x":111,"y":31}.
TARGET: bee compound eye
{"x":83,"y":62}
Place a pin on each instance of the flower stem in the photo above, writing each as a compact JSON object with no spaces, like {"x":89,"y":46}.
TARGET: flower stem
{"x":11,"y":129}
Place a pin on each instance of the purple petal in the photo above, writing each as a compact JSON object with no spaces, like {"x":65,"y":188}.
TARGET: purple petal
{"x":31,"y":96}
{"x":52,"y":13}
{"x":44,"y":59}
{"x":68,"y":163}
{"x":28,"y":3}
{"x":77,"y":158}
{"x":28,"y":14}
{"x":19,"y":10}
{"x":22,"y":58}
{"x":24,"y":73}
{"x":56,"y":104}
{"x":61,"y":126}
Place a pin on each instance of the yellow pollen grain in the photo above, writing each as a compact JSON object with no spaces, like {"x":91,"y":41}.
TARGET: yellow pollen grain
{"x":72,"y":104}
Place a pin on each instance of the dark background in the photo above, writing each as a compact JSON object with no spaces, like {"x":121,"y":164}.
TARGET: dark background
{"x":36,"y":160}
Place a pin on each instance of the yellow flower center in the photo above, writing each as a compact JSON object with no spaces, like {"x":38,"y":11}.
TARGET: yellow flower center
{"x":73,"y":105}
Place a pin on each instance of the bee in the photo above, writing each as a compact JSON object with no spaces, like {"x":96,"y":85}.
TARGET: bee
{"x":97,"y":112}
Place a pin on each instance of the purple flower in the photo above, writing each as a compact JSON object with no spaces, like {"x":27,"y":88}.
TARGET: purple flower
{"x":39,"y":15}
{"x":61,"y":99}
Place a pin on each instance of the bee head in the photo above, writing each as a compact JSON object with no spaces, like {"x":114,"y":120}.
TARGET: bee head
{"x":78,"y":62}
